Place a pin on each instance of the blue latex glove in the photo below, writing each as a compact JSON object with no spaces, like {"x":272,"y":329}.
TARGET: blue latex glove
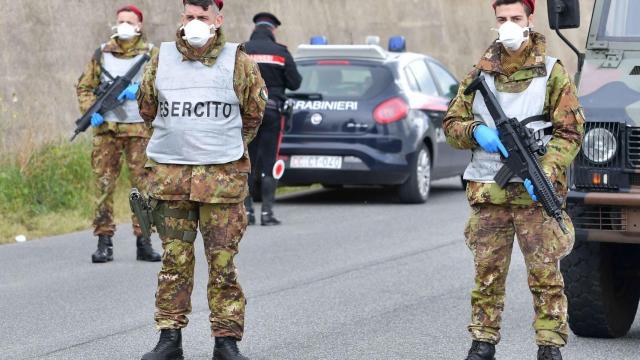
{"x":530,"y":189}
{"x":130,"y":92}
{"x":96,"y":120}
{"x":488,"y":139}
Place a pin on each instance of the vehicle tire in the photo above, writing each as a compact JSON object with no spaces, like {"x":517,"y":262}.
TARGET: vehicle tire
{"x":603,"y":288}
{"x":417,"y":188}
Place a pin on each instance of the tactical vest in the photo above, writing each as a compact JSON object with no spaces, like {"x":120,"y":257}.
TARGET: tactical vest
{"x":198,"y":120}
{"x":128,"y":113}
{"x":526,"y":106}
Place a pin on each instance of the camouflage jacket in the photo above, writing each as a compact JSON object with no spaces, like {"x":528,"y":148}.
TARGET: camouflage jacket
{"x":226,"y":183}
{"x":561,"y":102}
{"x":90,"y":80}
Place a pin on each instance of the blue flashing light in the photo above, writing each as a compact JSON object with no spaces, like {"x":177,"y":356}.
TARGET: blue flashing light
{"x":319,"y":40}
{"x":397,"y":44}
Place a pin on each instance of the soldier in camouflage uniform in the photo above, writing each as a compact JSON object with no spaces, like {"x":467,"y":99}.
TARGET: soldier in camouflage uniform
{"x":527,"y":83}
{"x":205,"y":99}
{"x":118,"y":133}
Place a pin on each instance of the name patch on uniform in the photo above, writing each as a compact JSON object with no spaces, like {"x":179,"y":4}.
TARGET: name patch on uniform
{"x":327,"y":105}
{"x":205,"y":109}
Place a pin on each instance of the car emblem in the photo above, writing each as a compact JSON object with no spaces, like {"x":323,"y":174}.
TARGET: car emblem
{"x":316,"y":119}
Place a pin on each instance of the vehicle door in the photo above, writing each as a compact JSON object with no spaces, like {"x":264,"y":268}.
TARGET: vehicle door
{"x":419,"y":78}
{"x":456,"y":160}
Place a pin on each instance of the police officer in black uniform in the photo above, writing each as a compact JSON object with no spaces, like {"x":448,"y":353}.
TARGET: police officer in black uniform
{"x":280,"y":73}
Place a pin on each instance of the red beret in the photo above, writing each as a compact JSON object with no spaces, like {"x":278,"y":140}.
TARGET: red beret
{"x":530,"y":3}
{"x":134,"y":9}
{"x":219,"y":3}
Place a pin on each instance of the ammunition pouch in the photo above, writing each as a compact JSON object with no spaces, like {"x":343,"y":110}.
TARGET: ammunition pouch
{"x":160,"y":211}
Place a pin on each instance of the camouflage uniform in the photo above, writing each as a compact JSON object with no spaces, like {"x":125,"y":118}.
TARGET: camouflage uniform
{"x":113,"y":140}
{"x":208,"y":196}
{"x":499,"y":214}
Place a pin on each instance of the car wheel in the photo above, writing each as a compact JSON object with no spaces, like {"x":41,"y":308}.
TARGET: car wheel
{"x":601,"y":288}
{"x":417,"y":188}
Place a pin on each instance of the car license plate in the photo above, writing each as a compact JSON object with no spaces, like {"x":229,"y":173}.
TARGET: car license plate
{"x":315,"y":162}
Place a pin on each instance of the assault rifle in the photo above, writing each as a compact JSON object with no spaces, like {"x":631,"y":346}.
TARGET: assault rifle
{"x":523,"y":151}
{"x":108,"y":94}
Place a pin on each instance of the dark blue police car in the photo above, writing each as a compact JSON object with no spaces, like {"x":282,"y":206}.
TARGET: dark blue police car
{"x":367,"y":116}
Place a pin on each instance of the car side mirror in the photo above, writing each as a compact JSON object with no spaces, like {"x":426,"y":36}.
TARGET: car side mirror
{"x":563,"y":14}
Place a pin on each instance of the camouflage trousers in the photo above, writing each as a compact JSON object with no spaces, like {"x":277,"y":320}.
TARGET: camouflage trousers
{"x":106,"y":160}
{"x":490,"y":235}
{"x":222,"y":227}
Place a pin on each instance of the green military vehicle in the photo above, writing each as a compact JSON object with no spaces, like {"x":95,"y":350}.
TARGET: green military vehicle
{"x":602,"y":274}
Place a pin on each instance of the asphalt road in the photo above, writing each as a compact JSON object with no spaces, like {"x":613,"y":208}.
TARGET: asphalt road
{"x":351,"y":275}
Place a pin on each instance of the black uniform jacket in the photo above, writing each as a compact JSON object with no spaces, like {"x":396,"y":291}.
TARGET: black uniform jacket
{"x":276,"y":63}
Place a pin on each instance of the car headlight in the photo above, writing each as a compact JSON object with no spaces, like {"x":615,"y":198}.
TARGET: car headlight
{"x":599,"y":145}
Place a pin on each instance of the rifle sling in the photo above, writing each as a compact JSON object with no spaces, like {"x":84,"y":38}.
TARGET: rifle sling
{"x":543,"y":118}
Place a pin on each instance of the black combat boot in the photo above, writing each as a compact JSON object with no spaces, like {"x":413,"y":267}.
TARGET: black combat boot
{"x":145,"y":251}
{"x":227,"y":349}
{"x":481,"y":350}
{"x":269,"y":185}
{"x":169,"y":346}
{"x":549,"y":353}
{"x":267,"y":219}
{"x":105,"y":250}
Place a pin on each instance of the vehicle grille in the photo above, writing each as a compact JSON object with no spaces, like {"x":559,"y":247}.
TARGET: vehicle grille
{"x":633,"y":147}
{"x":601,"y":218}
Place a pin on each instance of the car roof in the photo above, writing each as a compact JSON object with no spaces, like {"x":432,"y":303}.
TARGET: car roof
{"x":353,"y":52}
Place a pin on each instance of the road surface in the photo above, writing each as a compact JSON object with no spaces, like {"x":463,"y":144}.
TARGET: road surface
{"x":351,"y":274}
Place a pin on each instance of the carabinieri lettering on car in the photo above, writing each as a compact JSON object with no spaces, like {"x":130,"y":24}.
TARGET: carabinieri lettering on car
{"x":327,"y":105}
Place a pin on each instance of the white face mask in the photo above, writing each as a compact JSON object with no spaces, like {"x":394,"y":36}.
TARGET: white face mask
{"x":197,"y":33}
{"x":512,"y":35}
{"x":125,"y":31}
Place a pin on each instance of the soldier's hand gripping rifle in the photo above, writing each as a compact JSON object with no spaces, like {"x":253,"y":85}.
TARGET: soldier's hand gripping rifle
{"x":108,"y":96}
{"x":141,"y":208}
{"x":523,"y":150}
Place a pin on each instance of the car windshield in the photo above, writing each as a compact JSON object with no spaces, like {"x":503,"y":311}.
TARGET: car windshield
{"x":343,"y":80}
{"x":620,"y":21}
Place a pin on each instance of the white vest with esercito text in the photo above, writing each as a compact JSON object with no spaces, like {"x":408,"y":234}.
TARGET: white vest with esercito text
{"x":128,"y":113}
{"x":198,"y":120}
{"x":526,"y":104}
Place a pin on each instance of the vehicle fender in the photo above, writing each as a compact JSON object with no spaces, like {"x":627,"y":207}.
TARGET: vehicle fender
{"x":424,"y":131}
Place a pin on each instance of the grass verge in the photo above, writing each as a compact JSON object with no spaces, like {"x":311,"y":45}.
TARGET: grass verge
{"x":53,"y":192}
